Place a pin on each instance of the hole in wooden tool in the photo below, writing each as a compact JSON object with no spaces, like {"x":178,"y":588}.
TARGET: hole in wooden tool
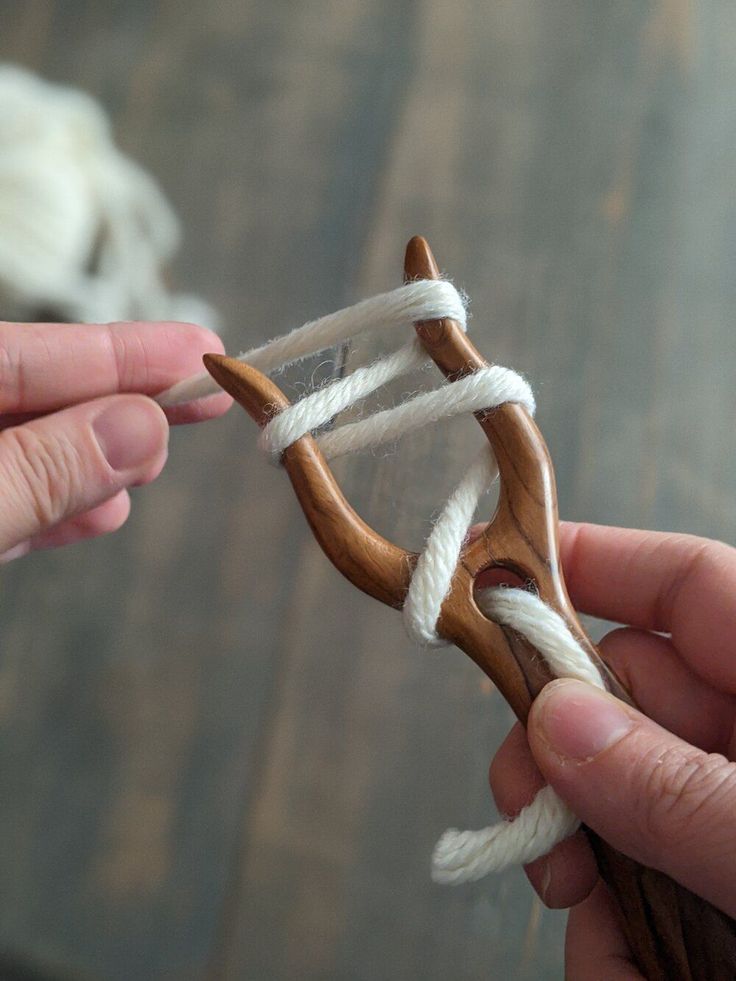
{"x":500,"y":575}
{"x":495,"y":576}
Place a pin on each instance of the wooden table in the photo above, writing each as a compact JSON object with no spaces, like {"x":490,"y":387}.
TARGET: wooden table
{"x":209,"y":772}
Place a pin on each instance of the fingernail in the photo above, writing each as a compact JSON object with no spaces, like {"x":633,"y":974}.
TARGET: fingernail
{"x":577,"y":721}
{"x":131,"y":433}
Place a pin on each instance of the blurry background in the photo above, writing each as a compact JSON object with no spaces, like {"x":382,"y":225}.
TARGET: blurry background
{"x":217,"y":759}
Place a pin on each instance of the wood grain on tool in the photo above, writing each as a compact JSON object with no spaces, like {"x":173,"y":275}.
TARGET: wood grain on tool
{"x":674,"y":935}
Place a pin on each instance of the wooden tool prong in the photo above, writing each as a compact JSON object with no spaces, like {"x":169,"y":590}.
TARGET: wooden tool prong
{"x":367,"y":559}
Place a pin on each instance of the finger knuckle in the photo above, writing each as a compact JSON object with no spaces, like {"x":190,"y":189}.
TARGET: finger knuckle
{"x":702,"y":558}
{"x":11,"y":371}
{"x":127,"y":350}
{"x":683,"y":792}
{"x":45,"y":472}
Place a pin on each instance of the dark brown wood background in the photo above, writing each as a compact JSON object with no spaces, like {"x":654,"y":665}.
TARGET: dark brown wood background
{"x":217,"y":761}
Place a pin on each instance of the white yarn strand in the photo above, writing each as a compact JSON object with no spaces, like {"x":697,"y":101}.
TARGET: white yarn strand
{"x":486,"y":388}
{"x":544,"y":628}
{"x":433,"y":573}
{"x":426,"y":299}
{"x":459,"y":856}
{"x":463,"y":856}
{"x":318,"y":408}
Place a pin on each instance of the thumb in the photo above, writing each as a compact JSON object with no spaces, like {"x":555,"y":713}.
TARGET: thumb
{"x":649,"y":794}
{"x":63,"y":464}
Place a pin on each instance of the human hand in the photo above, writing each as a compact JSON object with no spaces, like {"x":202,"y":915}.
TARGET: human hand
{"x":71,"y":438}
{"x":661,"y":791}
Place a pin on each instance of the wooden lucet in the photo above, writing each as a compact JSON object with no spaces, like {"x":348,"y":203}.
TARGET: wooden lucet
{"x":674,"y":935}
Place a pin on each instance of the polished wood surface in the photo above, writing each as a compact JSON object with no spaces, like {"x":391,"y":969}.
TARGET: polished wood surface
{"x":218,"y":760}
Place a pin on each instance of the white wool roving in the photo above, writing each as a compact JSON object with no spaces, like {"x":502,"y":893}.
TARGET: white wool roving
{"x":86,"y":232}
{"x":460,"y":856}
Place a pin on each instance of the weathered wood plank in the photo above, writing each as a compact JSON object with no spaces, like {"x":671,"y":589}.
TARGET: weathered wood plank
{"x":227,"y":764}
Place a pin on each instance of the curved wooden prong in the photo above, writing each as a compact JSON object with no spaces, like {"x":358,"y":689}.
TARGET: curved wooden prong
{"x":367,"y":559}
{"x":444,"y":340}
{"x":523,"y":534}
{"x":251,"y":389}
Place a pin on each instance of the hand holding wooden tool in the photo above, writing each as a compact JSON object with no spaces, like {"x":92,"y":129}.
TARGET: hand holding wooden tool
{"x":674,"y":935}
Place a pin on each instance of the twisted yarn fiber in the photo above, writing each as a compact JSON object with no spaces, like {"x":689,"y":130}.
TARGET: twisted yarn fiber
{"x":459,"y":855}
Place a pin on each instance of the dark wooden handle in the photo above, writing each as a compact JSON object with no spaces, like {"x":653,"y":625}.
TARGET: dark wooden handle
{"x":674,"y":934}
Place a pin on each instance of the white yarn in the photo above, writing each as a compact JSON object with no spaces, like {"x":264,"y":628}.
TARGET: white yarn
{"x":86,"y":232}
{"x":426,"y":299}
{"x":544,"y":628}
{"x":459,"y":856}
{"x":436,"y":565}
{"x":318,"y":408}
{"x":486,"y":388}
{"x":463,"y":856}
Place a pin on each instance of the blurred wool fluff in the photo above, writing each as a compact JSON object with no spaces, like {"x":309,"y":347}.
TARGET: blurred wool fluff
{"x":85,"y":233}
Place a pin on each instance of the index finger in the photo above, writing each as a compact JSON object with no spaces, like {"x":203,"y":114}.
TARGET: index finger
{"x":672,"y":583}
{"x":44,"y":367}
